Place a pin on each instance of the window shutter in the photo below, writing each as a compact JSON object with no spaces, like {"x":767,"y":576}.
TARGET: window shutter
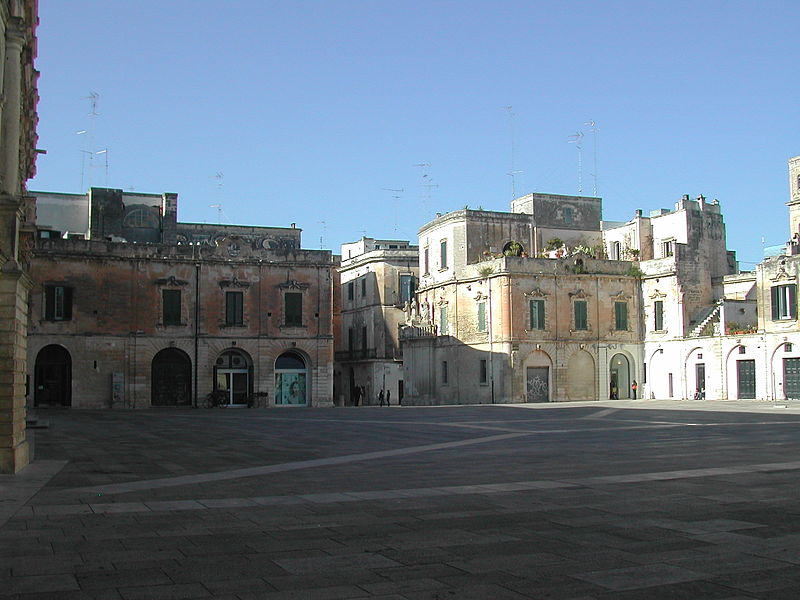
{"x":792,"y":300}
{"x":67,"y":303}
{"x":540,"y":314}
{"x":50,"y":302}
{"x":776,"y":311}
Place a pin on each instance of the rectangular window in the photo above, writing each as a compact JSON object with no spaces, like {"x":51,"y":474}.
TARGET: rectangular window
{"x":621,"y":316}
{"x":172,"y":306}
{"x":444,"y":372}
{"x":483,"y":372}
{"x":481,"y":316}
{"x":426,"y":262}
{"x":57,"y":303}
{"x":568,"y":214}
{"x":351,"y":339}
{"x":667,"y":248}
{"x":537,"y":314}
{"x":658,"y":311}
{"x":364,"y":339}
{"x":784,"y":302}
{"x":293,"y":309}
{"x":363,"y":286}
{"x":351,"y":288}
{"x":234,"y":308}
{"x":443,"y":326}
{"x":407,"y":288}
{"x":581,"y":315}
{"x":443,"y":254}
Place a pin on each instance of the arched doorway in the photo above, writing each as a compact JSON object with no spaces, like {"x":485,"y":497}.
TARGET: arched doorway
{"x":233,"y":375}
{"x":619,"y":377}
{"x":291,"y":375}
{"x":581,"y":383}
{"x":171,"y":378}
{"x":52,"y":377}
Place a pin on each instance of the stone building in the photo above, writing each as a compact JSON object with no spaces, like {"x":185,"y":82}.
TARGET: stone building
{"x":18,"y":119}
{"x":498,"y":322}
{"x":133,"y":309}
{"x":378,"y":281}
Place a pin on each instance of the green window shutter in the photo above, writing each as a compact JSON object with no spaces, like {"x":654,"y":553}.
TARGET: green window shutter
{"x":443,"y":325}
{"x":581,"y":322}
{"x":234,"y":305}
{"x":172,"y":306}
{"x":621,"y":316}
{"x":792,"y":298}
{"x":537,"y":314}
{"x":776,"y":301}
{"x":293,"y":305}
{"x":481,"y":316}
{"x":658,"y":308}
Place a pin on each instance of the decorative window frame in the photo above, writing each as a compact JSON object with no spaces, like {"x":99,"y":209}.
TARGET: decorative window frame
{"x":172,"y":283}
{"x":580,"y":295}
{"x":538,"y":294}
{"x":620,"y":296}
{"x":658,"y":296}
{"x":234,"y":285}
{"x":293,"y":286}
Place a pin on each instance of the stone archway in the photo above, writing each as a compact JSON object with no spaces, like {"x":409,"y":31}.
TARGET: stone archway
{"x":291,"y":379}
{"x":171,"y":378}
{"x":619,"y":371}
{"x":581,"y":377}
{"x":52,"y":377}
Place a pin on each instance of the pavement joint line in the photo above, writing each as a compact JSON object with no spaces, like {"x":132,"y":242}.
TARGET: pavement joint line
{"x":150,"y":484}
{"x":601,"y":413}
{"x":160,"y":506}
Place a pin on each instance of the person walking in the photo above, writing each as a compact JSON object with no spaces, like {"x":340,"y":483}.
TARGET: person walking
{"x":388,"y":396}
{"x":634,"y":387}
{"x":380,"y":398}
{"x":356,"y":395}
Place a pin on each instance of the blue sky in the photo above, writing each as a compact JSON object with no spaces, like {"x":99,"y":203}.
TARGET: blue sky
{"x":313,"y":110}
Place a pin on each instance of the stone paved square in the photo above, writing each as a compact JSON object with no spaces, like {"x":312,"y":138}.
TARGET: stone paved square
{"x":624,"y":499}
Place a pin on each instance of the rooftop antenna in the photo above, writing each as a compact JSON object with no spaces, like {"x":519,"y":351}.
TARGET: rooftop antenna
{"x":219,"y":176}
{"x":513,"y":172}
{"x":89,"y":149}
{"x":427,"y":185}
{"x":594,"y":131}
{"x":322,"y":235}
{"x":104,"y":151}
{"x":576,"y":138}
{"x":396,"y":195}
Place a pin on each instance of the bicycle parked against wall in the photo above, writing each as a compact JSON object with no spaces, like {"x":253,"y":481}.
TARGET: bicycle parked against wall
{"x":216,"y":399}
{"x":257,"y":400}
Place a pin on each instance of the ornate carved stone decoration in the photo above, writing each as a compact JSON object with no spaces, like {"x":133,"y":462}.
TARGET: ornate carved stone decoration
{"x":291,"y":284}
{"x":620,"y":296}
{"x":782,"y":275}
{"x":656,"y":295}
{"x":536,"y":293}
{"x":171,"y":281}
{"x":480,"y":296}
{"x":234,"y":283}
{"x":579,"y":295}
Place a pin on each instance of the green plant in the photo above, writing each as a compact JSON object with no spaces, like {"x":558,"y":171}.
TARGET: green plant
{"x":513,"y":249}
{"x":486,"y":271}
{"x":554,"y":244}
{"x":634,"y":271}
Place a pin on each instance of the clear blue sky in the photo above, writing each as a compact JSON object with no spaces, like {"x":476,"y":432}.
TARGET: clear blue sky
{"x":309,"y":109}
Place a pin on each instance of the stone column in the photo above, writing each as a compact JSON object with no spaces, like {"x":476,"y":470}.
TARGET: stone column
{"x":14,"y":288}
{"x":14,"y":284}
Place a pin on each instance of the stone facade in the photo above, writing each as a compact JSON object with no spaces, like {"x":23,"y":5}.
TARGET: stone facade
{"x":378,"y":280}
{"x":18,"y":119}
{"x":189,"y":309}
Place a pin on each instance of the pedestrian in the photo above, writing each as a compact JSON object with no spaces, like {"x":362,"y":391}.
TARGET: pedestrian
{"x":634,"y":387}
{"x":356,"y":395}
{"x":388,"y":396}
{"x":363,"y":397}
{"x":380,"y":398}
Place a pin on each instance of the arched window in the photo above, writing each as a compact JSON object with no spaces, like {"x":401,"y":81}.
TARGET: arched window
{"x":233,"y":374}
{"x":291,"y":377}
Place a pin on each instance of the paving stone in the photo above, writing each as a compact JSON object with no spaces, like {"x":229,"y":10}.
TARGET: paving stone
{"x":645,"y":576}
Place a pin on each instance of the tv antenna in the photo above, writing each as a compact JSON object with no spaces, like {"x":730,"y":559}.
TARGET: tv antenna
{"x":514,"y":171}
{"x":89,"y":149}
{"x":427,"y":186}
{"x":396,"y":195}
{"x":220,"y":212}
{"x":576,"y":139}
{"x":594,"y":131}
{"x":219,"y":176}
{"x":322,"y":235}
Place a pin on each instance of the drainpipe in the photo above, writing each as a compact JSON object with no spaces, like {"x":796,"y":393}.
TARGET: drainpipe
{"x":196,"y":324}
{"x":491,"y":336}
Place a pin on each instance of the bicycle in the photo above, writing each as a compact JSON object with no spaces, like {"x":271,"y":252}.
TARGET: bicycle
{"x":257,"y":399}
{"x":216,"y":399}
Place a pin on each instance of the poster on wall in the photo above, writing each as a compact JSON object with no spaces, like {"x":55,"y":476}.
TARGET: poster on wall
{"x":290,"y":388}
